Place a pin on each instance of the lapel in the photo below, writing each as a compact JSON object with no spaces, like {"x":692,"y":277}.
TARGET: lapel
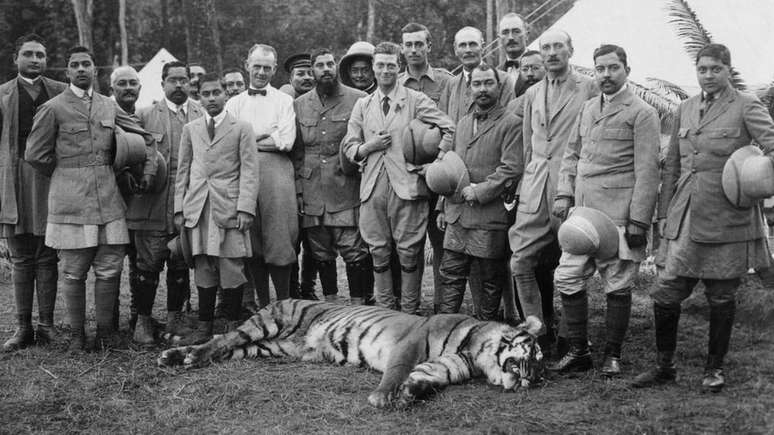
{"x":221,"y":130}
{"x":565,"y":94}
{"x":401,"y":95}
{"x":10,"y":101}
{"x":718,"y":107}
{"x":618,"y":104}
{"x":539,"y":103}
{"x":199,"y":128}
{"x":77,"y":103}
{"x":194,"y":111}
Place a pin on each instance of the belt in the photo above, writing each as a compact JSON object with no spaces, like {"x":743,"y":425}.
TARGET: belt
{"x":85,"y":160}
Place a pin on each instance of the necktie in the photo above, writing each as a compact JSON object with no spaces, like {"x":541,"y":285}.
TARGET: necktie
{"x":386,"y":105}
{"x":181,"y":115}
{"x":251,"y":91}
{"x":511,"y":63}
{"x":211,"y":128}
{"x":706,"y":103}
{"x":86,"y":100}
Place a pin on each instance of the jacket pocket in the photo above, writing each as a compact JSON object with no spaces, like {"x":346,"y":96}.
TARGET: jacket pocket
{"x":722,"y":141}
{"x":108,"y":123}
{"x":305,"y":172}
{"x":618,"y":134}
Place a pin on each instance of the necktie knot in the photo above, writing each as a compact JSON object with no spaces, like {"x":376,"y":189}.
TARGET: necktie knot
{"x":480,"y":116}
{"x":251,"y":91}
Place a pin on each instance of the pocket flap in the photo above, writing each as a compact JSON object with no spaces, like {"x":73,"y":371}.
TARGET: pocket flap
{"x":307,"y":122}
{"x":107,"y":123}
{"x":618,"y":133}
{"x":719,"y":133}
{"x":74,"y":127}
{"x":683,"y":132}
{"x":305,"y":172}
{"x":159,"y":137}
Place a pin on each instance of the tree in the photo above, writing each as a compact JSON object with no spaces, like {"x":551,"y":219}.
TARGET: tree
{"x":122,"y":27}
{"x":212,"y":23}
{"x":84,"y":17}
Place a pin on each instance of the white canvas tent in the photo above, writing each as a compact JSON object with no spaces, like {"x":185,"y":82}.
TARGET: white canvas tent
{"x":150,"y":78}
{"x":643,"y":29}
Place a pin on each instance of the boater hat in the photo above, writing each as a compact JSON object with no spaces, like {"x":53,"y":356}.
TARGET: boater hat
{"x":588,"y":231}
{"x":732,"y":178}
{"x":420,"y":142}
{"x":180,"y":247}
{"x":130,"y":149}
{"x":447,"y":176}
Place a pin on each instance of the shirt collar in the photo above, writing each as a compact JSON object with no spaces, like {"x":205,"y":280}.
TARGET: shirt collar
{"x":218,"y":118}
{"x":429,"y":73}
{"x":705,"y":96}
{"x":79,"y":92}
{"x":34,"y":81}
{"x":268,"y":88}
{"x":559,"y":79}
{"x":380,"y":96}
{"x":174,"y":107}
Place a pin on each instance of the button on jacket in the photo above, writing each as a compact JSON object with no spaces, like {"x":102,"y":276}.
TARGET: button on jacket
{"x":73,"y":143}
{"x":319,"y":132}
{"x":611,"y":160}
{"x":700,"y":147}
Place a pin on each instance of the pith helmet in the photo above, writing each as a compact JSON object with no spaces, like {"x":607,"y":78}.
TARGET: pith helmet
{"x":420,"y":142}
{"x":732,"y":176}
{"x":180,"y":247}
{"x":447,"y":176}
{"x":588,"y":231}
{"x":130,"y":149}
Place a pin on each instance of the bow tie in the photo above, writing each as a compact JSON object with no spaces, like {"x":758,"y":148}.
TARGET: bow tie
{"x":511,"y":63}
{"x":251,"y":91}
{"x":480,"y":116}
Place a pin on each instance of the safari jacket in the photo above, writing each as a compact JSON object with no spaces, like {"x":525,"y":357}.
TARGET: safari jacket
{"x":10,"y":160}
{"x":319,"y":131}
{"x":699,"y":148}
{"x":155,"y":211}
{"x":74,"y":145}
{"x":611,"y":160}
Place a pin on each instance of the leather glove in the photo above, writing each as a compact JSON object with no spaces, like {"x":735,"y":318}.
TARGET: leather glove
{"x":562,"y":206}
{"x":635,"y":236}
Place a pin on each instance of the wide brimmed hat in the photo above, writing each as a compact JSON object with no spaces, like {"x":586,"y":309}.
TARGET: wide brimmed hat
{"x":420,"y":142}
{"x":732,"y":177}
{"x":588,"y":231}
{"x":447,"y":176}
{"x":358,"y":50}
{"x":130,"y":149}
{"x":180,"y":247}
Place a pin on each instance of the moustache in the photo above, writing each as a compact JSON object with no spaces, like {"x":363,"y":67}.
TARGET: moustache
{"x":132,"y":93}
{"x":607,"y":82}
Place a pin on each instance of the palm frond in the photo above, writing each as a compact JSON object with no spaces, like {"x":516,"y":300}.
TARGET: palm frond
{"x":694,"y":35}
{"x":667,"y":87}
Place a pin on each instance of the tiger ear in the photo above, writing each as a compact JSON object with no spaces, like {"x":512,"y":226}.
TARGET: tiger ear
{"x":532,"y":326}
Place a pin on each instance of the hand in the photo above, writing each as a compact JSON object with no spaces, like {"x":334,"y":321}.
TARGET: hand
{"x":440,"y":155}
{"x":562,"y":207}
{"x":126,"y":182}
{"x":300,"y":204}
{"x":179,"y":221}
{"x":380,"y":142}
{"x":468,"y":194}
{"x":147,"y":182}
{"x":244,"y":221}
{"x":423,"y":169}
{"x":440,"y":222}
{"x":635,"y":236}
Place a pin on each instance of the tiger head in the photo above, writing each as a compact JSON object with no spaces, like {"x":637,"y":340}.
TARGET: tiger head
{"x":519,"y":356}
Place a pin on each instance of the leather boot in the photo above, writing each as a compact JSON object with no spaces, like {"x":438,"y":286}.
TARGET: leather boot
{"x":721,"y":324}
{"x":383,"y":291}
{"x":308,"y":276}
{"x":23,"y":337}
{"x":666,"y":320}
{"x":411,"y":291}
{"x":220,"y":305}
{"x":45,"y":333}
{"x":616,"y":323}
{"x":133,"y":296}
{"x":143,"y":331}
{"x":202,"y":334}
{"x":327,"y":272}
{"x":530,"y":299}
{"x":105,"y":291}
{"x":360,"y":279}
{"x":578,"y":358}
{"x":74,"y":292}
{"x":175,"y":325}
{"x":144,"y":294}
{"x":107,"y":338}
{"x":76,"y":341}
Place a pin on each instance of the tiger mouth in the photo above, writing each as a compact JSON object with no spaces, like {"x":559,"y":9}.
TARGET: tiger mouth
{"x":528,"y":372}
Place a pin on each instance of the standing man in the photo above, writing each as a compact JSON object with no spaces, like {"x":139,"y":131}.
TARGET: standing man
{"x":706,"y":237}
{"x":196,"y":72}
{"x":72,"y":141}
{"x":299,"y":69}
{"x":149,"y":215}
{"x":215,"y":201}
{"x":476,"y":223}
{"x":270,"y":113}
{"x":24,"y":193}
{"x":550,"y":111}
{"x":234,"y":80}
{"x":458,"y":100}
{"x":328,"y":198}
{"x":611,"y":165}
{"x":513,"y":36}
{"x":394,"y":207}
{"x":356,"y":67}
{"x":422,"y":77}
{"x":125,"y":84}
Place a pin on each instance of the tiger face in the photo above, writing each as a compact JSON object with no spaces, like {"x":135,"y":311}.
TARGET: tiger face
{"x":519,"y":356}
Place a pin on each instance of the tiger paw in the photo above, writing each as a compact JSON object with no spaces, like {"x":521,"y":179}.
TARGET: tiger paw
{"x":199,"y":356}
{"x":379,"y":399}
{"x":173,"y":357}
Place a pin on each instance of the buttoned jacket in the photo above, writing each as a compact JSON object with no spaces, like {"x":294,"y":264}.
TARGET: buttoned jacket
{"x":493,"y":157}
{"x":10,"y":158}
{"x":155,"y":211}
{"x":224,"y":169}
{"x":319,"y":132}
{"x":73,"y":142}
{"x":545,"y":137}
{"x":698,"y":150}
{"x":458,"y":100}
{"x":368,"y":120}
{"x":611,"y":160}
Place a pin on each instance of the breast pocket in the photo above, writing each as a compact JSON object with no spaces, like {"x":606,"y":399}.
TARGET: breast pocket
{"x":307,"y":127}
{"x":722,"y":141}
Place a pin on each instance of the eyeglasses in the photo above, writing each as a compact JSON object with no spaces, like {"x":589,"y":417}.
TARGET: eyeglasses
{"x":533,"y":68}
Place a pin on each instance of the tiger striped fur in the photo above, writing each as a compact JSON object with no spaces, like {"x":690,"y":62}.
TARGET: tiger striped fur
{"x":416,"y":355}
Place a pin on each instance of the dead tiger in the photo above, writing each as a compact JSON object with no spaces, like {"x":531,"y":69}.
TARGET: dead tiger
{"x":417,"y":355}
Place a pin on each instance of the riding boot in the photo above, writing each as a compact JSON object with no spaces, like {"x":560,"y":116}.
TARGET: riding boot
{"x":360,"y":279}
{"x":203,"y":331}
{"x":530,"y":299}
{"x":133,"y":296}
{"x":145,"y":295}
{"x":24,"y":289}
{"x":74,"y":292}
{"x":178,"y":283}
{"x":616,"y":323}
{"x":45,"y":332}
{"x":666,"y":319}
{"x":46,"y":285}
{"x":24,"y":335}
{"x":105,"y":291}
{"x":327,"y":272}
{"x":411,"y":290}
{"x":308,"y":276}
{"x":721,"y":324}
{"x":576,"y":307}
{"x":383,"y":289}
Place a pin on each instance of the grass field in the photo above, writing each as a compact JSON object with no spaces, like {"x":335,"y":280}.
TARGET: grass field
{"x":123,"y":391}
